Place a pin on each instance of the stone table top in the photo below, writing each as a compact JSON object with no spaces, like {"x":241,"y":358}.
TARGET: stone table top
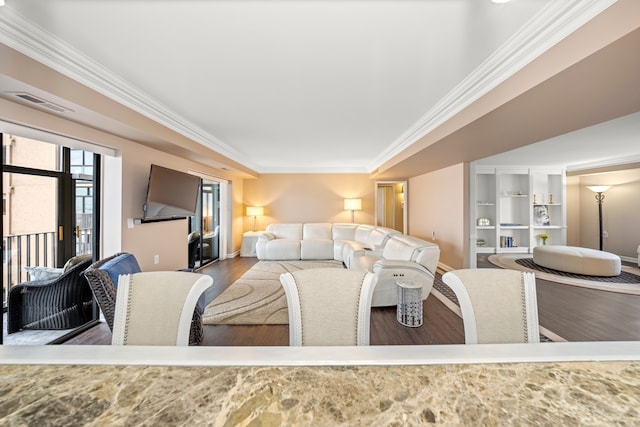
{"x":560,"y":393}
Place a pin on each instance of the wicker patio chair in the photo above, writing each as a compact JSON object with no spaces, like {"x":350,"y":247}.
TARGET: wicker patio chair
{"x":61,"y":303}
{"x":103,"y":283}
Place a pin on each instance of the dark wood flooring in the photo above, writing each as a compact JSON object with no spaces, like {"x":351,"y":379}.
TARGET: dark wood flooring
{"x":574,"y":313}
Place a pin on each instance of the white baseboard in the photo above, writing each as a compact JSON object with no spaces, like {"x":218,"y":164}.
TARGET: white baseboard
{"x":629,"y":259}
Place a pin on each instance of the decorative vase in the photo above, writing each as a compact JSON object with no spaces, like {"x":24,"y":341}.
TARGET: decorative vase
{"x":544,"y":240}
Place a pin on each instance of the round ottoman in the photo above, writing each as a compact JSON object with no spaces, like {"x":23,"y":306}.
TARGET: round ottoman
{"x":577,"y":260}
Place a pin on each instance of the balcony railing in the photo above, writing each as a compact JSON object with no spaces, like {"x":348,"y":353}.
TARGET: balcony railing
{"x":34,"y":249}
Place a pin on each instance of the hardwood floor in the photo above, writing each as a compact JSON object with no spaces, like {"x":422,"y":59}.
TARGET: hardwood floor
{"x":576,"y":314}
{"x":440,"y":326}
{"x":580,"y":314}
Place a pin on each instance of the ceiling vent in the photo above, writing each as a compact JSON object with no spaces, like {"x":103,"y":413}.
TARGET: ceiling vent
{"x":41,"y":102}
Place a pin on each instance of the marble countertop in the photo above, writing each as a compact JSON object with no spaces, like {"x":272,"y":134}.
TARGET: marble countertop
{"x":563,"y":393}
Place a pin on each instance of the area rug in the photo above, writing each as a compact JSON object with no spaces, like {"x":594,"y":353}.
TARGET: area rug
{"x":628,"y":282}
{"x":257,"y":298}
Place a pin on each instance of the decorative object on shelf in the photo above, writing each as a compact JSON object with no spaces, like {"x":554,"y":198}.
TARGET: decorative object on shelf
{"x":255,"y":211}
{"x":484,"y":222}
{"x":508,"y":242}
{"x":541,"y":215}
{"x":550,"y":199}
{"x":599,"y":190}
{"x":544,"y":237}
{"x":352,"y":205}
{"x":481,"y":242}
{"x":535,"y":202}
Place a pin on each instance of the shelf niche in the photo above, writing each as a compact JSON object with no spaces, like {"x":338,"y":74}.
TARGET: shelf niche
{"x":512,"y":206}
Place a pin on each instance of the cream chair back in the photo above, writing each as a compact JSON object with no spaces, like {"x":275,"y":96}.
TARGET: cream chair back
{"x":328,"y":306}
{"x":156,"y":308}
{"x":498,"y":306}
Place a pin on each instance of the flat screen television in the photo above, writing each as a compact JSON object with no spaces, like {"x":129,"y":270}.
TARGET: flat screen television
{"x":170,"y":194}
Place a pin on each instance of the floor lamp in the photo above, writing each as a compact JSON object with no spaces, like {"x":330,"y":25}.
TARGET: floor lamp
{"x":599,"y":190}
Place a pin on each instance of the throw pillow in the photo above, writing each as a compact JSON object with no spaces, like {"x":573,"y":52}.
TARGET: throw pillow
{"x":74,"y":261}
{"x":43,"y":273}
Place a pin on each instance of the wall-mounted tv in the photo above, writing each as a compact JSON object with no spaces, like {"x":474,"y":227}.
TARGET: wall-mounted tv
{"x":170,"y":194}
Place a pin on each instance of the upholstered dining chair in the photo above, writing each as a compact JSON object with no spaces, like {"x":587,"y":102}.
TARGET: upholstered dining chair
{"x":498,"y":305}
{"x":103,"y":276}
{"x":328,"y":306}
{"x":156,"y":308}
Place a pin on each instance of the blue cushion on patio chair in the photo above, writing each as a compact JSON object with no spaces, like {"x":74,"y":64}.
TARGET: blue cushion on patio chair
{"x":124,"y":263}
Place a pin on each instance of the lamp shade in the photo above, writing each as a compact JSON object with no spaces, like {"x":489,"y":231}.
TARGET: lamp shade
{"x":255,"y":211}
{"x":598,"y":188}
{"x":352,"y":204}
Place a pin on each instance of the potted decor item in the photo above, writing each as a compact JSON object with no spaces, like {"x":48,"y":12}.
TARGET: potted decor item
{"x":544,"y":237}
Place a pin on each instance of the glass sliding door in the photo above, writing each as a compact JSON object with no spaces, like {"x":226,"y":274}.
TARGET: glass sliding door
{"x":47,"y":212}
{"x":204,"y":241}
{"x":30,"y":231}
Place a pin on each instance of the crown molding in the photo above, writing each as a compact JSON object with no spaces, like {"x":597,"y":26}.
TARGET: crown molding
{"x":315,"y":169}
{"x":597,"y":166}
{"x":18,"y":33}
{"x":557,"y":20}
{"x":552,"y":24}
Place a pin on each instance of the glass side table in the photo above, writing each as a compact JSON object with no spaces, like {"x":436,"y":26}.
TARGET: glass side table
{"x":409,"y":303}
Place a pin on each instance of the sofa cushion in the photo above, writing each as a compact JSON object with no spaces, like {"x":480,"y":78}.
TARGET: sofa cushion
{"x":362,"y":234}
{"x":428,"y":257}
{"x":378,"y":237}
{"x":316,"y":231}
{"x":279,"y":250}
{"x":316,"y":249}
{"x":344,"y":231}
{"x":285,"y":231}
{"x":364,"y":263}
{"x":402,"y":247}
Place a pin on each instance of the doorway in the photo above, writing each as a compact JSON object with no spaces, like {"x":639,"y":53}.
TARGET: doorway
{"x":204,"y":236}
{"x":47,"y":213}
{"x":391,"y":205}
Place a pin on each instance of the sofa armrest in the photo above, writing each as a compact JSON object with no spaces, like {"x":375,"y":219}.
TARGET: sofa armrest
{"x":388,"y":264}
{"x":264,"y":235}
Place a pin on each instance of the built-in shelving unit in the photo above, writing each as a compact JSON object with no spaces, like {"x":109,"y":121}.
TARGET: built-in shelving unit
{"x":512,"y":207}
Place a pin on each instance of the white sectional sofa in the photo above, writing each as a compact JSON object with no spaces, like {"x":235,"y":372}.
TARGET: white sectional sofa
{"x":387,"y":253}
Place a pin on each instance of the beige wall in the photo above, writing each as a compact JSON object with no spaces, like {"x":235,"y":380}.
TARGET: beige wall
{"x":438,"y":204}
{"x":436,"y":201}
{"x":619,"y":211}
{"x":131,"y":168}
{"x":573,"y":210}
{"x":308,"y":198}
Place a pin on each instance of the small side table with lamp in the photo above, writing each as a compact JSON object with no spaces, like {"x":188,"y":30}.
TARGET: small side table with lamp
{"x":250,"y":238}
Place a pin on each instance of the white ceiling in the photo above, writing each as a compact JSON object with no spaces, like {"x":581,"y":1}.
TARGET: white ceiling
{"x":291,"y":86}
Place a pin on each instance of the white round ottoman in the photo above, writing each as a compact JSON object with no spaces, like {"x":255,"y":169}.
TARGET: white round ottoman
{"x":578,"y":260}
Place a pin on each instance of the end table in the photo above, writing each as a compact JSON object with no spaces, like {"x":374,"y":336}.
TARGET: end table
{"x":249,"y":240}
{"x":409,"y":303}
